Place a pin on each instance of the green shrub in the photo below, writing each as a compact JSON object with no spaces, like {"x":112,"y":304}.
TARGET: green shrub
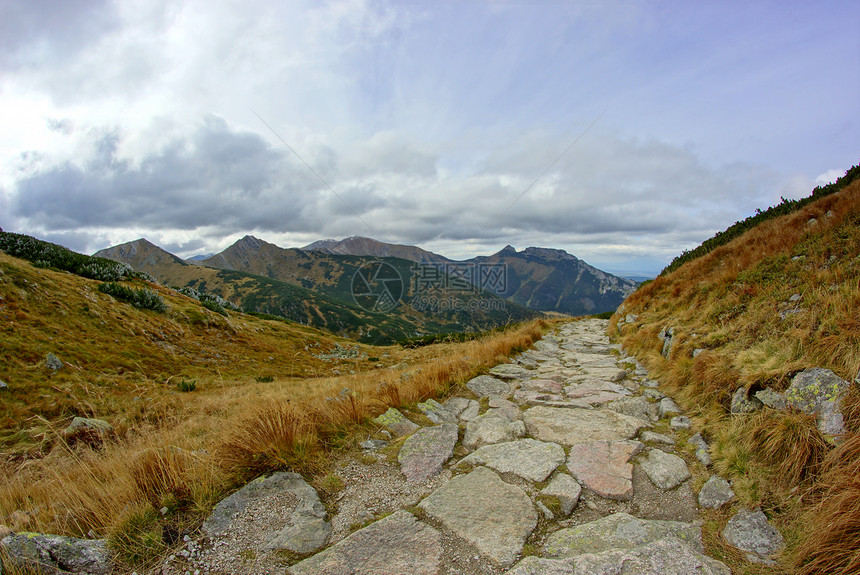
{"x":47,"y":255}
{"x":142,"y":298}
{"x":264,"y":379}
{"x":186,"y":385}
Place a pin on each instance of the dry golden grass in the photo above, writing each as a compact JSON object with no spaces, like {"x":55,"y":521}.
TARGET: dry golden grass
{"x":735,"y":304}
{"x":181,"y":452}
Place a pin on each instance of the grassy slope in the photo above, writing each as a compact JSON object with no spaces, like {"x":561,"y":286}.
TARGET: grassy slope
{"x":729,"y":303}
{"x":173,"y":450}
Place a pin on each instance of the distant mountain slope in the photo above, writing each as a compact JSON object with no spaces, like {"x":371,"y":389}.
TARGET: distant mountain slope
{"x":317,"y":289}
{"x":361,"y":246}
{"x":538,"y":278}
{"x":553,"y":280}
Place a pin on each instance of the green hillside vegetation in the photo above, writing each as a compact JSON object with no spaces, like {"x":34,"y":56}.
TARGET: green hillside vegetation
{"x":759,"y":303}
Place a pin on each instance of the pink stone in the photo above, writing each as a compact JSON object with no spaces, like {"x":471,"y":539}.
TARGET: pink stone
{"x":603,"y":467}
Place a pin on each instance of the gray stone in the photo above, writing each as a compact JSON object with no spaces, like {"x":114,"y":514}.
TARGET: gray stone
{"x":703,"y":453}
{"x":489,"y":429}
{"x":619,"y":376}
{"x":572,"y":426}
{"x":510,"y":371}
{"x":53,"y":362}
{"x":665,"y":470}
{"x":819,"y":392}
{"x":667,"y":335}
{"x":306,"y":529}
{"x":656,"y":438}
{"x":485,"y":385}
{"x":618,"y":531}
{"x":698,"y":351}
{"x":56,"y":554}
{"x":425,"y":452}
{"x":653,"y":394}
{"x":667,"y":407}
{"x":604,"y":467}
{"x":666,"y":556}
{"x":680,"y":422}
{"x":490,"y":514}
{"x":471,"y":412}
{"x":398,"y":543}
{"x":631,"y":318}
{"x":546,"y":346}
{"x":715,"y":493}
{"x":795,"y":297}
{"x":772,"y":399}
{"x":530,"y":459}
{"x":372,"y":444}
{"x":85,"y":428}
{"x":396,"y":422}
{"x":742,"y":403}
{"x":750,"y":532}
{"x":545,"y":511}
{"x":3,"y":385}
{"x":635,"y":407}
{"x":566,"y":489}
{"x":436,"y":412}
{"x":457,"y":405}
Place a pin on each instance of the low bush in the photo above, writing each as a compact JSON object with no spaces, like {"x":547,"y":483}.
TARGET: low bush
{"x":142,"y":298}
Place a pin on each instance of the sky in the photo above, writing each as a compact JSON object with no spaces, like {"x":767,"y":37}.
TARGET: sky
{"x":622,"y":131}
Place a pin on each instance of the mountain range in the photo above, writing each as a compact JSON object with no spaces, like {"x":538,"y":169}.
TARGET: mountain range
{"x":317,"y":284}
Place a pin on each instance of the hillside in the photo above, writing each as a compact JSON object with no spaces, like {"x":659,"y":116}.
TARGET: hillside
{"x":554,"y":280}
{"x":732,"y":323}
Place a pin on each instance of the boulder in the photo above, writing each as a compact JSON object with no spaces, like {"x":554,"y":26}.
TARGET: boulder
{"x":703,"y":453}
{"x":656,"y":438}
{"x":396,"y":422}
{"x":492,"y":515}
{"x":667,"y":407}
{"x":56,"y":554}
{"x":665,"y":470}
{"x":436,"y":412}
{"x":751,"y":532}
{"x":819,"y":392}
{"x":772,"y":399}
{"x":53,"y":362}
{"x":425,"y":452}
{"x":742,"y":403}
{"x":306,"y":529}
{"x":510,"y":371}
{"x":715,"y":493}
{"x":635,"y":407}
{"x":680,"y":422}
{"x":87,"y":429}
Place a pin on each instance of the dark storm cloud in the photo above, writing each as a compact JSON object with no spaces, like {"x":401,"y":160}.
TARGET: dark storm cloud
{"x":214,"y":177}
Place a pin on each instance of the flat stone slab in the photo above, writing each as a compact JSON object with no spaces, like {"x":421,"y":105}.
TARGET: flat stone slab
{"x":751,"y":532}
{"x":491,"y":428}
{"x":635,"y":407}
{"x":532,"y":397}
{"x":490,"y":514}
{"x":666,"y":556}
{"x":396,"y":422}
{"x":398,"y":543}
{"x":654,"y":437}
{"x":619,"y":531}
{"x":510,"y":371}
{"x":307,"y":530}
{"x":530,"y":459}
{"x":425,"y":452}
{"x":485,"y":385}
{"x":573,"y":426}
{"x":668,"y":407}
{"x":665,"y":470}
{"x":564,"y":488}
{"x":544,"y":385}
{"x":436,"y":412}
{"x":603,"y":467}
{"x":715,"y":493}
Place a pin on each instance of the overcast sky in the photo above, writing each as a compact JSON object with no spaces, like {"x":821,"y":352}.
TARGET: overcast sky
{"x":623,"y":132}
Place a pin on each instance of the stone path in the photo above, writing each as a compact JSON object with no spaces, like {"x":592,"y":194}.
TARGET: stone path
{"x":548,"y":465}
